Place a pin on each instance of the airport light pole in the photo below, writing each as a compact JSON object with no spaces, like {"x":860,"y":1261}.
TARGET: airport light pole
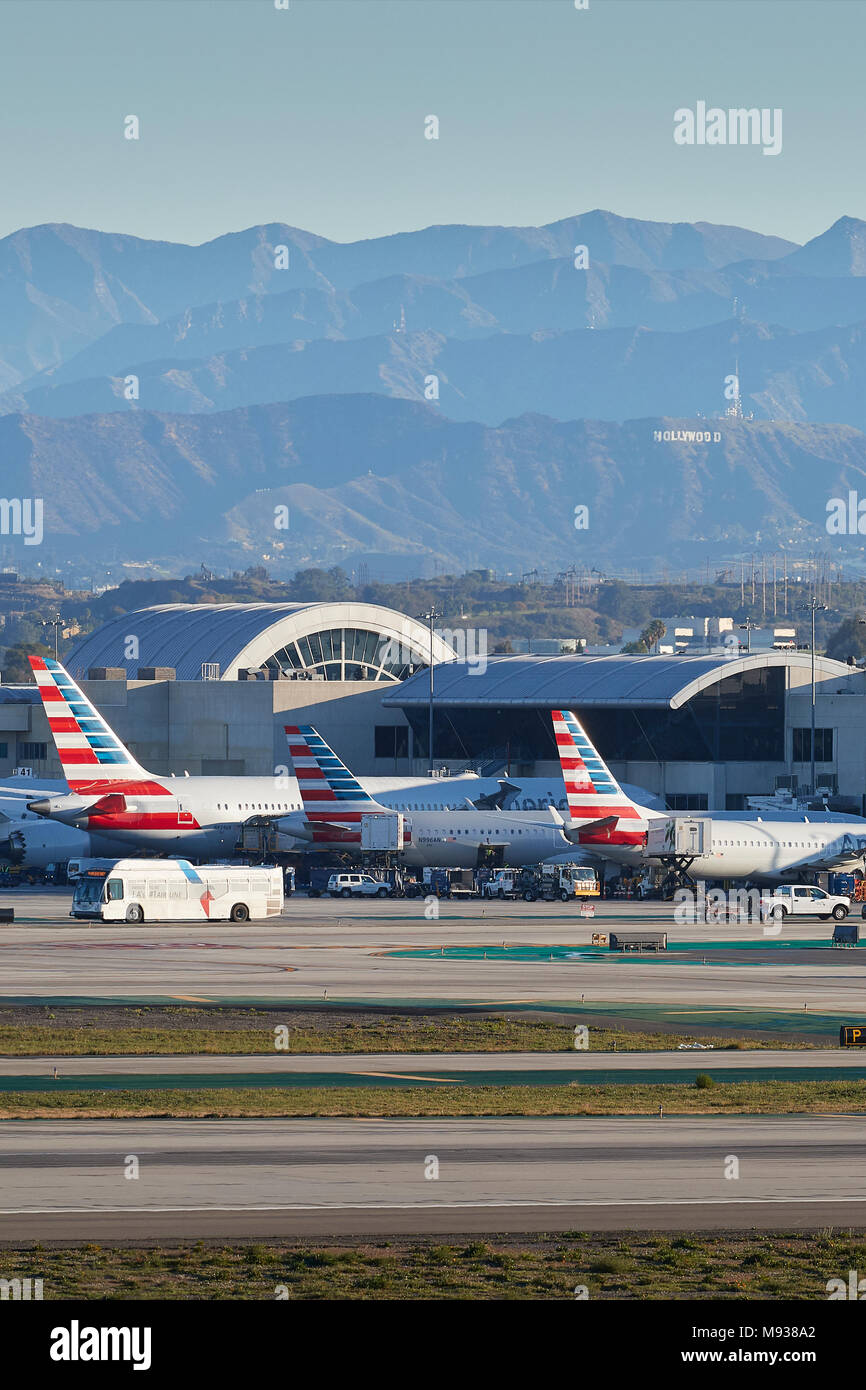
{"x":813,"y":607}
{"x":430,"y":617}
{"x":55,"y":622}
{"x":749,"y":627}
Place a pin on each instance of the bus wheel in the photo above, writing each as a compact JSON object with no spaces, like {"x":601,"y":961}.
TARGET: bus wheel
{"x":240,"y":913}
{"x":134,"y":913}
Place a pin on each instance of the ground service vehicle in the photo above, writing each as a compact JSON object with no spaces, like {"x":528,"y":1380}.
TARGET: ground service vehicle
{"x":318,"y":881}
{"x":567,"y":882}
{"x":503,"y":884}
{"x":172,"y":890}
{"x":448,"y":883}
{"x":358,"y":886}
{"x":801,"y":900}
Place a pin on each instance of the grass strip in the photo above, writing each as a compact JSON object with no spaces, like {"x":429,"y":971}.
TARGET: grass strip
{"x":571,"y":1098}
{"x":766,"y":1266}
{"x":380,"y":1035}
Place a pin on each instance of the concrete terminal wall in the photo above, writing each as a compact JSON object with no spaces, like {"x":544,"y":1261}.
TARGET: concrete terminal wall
{"x":236,"y":728}
{"x":217,"y":728}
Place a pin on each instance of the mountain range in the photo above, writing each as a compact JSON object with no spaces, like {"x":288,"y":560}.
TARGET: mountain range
{"x":62,"y":287}
{"x":176,"y":394}
{"x":614,"y":374}
{"x":362,"y":475}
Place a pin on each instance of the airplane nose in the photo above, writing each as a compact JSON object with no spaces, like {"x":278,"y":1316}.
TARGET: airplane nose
{"x":41,"y":807}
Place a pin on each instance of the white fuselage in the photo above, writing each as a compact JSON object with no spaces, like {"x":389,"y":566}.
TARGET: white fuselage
{"x":201,"y":817}
{"x":459,"y":839}
{"x":766,"y":851}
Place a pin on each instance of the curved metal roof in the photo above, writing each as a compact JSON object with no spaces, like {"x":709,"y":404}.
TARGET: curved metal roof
{"x":187,"y":636}
{"x":565,"y":682}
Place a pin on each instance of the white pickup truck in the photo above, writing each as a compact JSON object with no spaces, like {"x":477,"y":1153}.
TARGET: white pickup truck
{"x":503,"y":884}
{"x":801,"y":900}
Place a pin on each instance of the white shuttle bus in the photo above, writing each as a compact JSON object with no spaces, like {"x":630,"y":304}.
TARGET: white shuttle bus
{"x":76,"y":867}
{"x":173,"y":890}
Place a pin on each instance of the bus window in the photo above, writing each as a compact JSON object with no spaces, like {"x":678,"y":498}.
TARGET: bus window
{"x":113,"y":890}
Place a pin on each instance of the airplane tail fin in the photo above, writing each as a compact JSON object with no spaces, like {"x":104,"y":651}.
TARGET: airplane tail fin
{"x":90,"y":752}
{"x":329,"y":791}
{"x":590,"y":786}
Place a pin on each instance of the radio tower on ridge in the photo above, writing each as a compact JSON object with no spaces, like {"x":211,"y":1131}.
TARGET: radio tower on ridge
{"x":735,"y":409}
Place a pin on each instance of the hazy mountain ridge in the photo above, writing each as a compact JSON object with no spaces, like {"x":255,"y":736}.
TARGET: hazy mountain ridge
{"x":62,"y":287}
{"x":362,"y":473}
{"x":260,"y":387}
{"x":613,"y":374}
{"x":542,"y":296}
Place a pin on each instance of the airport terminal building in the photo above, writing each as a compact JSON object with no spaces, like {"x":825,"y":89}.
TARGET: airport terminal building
{"x":207,"y":688}
{"x":700,"y":732}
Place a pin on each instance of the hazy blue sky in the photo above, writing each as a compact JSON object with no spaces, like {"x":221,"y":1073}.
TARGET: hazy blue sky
{"x":315,"y":115}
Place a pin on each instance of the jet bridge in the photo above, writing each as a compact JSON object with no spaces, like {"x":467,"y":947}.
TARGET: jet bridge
{"x":676,"y":842}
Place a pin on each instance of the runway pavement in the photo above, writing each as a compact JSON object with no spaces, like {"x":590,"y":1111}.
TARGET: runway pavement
{"x":381,"y":1069}
{"x":65,"y":1180}
{"x":330,"y":950}
{"x":330,"y":920}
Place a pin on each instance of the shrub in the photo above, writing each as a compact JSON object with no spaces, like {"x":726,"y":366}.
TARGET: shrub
{"x":609,"y":1264}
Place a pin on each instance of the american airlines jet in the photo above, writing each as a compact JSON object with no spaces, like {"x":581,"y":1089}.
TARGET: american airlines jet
{"x":601,"y":816}
{"x":335,"y":804}
{"x":112,"y":796}
{"x":763,"y":851}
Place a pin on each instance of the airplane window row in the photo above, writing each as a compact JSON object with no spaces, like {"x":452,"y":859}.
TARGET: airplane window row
{"x":475,"y":831}
{"x":783,"y":844}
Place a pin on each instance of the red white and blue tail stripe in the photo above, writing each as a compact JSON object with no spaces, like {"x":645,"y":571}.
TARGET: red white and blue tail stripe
{"x":590,"y":786}
{"x":332,"y":796}
{"x":325,"y":782}
{"x":90,"y":752}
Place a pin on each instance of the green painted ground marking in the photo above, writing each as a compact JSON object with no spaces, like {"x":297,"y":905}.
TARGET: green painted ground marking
{"x":140,"y":1081}
{"x":557,"y":953}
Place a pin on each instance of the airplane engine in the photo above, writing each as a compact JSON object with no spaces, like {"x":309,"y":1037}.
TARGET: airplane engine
{"x":32,"y":844}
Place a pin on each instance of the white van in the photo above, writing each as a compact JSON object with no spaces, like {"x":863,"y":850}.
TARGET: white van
{"x":172,"y":890}
{"x":358,"y":886}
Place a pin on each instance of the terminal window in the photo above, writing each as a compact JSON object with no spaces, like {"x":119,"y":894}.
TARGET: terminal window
{"x":737,"y":719}
{"x":4,"y":750}
{"x":803,"y":745}
{"x":391,"y":741}
{"x":33,"y":750}
{"x":697,"y":801}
